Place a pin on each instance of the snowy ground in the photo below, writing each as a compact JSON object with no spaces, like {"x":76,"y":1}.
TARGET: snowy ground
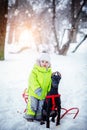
{"x":14,"y":73}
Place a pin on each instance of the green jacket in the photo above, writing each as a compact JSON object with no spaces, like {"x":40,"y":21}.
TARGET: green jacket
{"x":39,"y":77}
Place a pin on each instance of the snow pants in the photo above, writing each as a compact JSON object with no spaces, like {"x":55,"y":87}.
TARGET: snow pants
{"x":34,"y":108}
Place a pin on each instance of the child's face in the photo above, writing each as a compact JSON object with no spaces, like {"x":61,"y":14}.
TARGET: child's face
{"x":44,"y":63}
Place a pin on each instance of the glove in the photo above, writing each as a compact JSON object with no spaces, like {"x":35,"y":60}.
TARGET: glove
{"x":38,"y":91}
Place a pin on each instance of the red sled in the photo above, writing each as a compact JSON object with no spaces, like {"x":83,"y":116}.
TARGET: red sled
{"x":73,"y":110}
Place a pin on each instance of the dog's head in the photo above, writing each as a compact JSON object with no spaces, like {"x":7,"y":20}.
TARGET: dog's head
{"x":56,"y":76}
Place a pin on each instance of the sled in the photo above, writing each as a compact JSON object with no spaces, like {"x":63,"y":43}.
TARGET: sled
{"x":73,"y":110}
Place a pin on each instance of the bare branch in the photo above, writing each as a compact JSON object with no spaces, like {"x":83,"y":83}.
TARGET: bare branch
{"x":79,"y":44}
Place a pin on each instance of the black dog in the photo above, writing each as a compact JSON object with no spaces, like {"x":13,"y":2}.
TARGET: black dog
{"x":52,"y":104}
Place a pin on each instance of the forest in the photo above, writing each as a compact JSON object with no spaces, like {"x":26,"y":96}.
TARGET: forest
{"x":52,"y":25}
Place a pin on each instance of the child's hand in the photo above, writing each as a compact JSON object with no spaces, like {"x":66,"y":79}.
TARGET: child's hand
{"x":38,"y":91}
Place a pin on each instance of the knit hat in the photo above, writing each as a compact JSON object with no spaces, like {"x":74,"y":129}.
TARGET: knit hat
{"x":44,"y":56}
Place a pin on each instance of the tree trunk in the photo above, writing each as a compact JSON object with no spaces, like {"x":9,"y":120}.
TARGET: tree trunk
{"x":75,"y":22}
{"x":76,"y":11}
{"x":54,"y":28}
{"x":3,"y":22}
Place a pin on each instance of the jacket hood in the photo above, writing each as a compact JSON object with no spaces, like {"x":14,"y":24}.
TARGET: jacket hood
{"x":42,"y":69}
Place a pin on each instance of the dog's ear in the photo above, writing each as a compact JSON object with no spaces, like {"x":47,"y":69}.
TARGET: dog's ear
{"x":58,"y":73}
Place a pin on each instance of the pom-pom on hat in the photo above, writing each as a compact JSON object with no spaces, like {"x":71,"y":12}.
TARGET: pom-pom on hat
{"x":44,"y":56}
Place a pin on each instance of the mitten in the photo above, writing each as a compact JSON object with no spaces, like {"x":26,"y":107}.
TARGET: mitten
{"x":38,"y":91}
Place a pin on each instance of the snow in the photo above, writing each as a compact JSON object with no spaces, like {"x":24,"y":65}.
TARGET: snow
{"x":14,"y":72}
